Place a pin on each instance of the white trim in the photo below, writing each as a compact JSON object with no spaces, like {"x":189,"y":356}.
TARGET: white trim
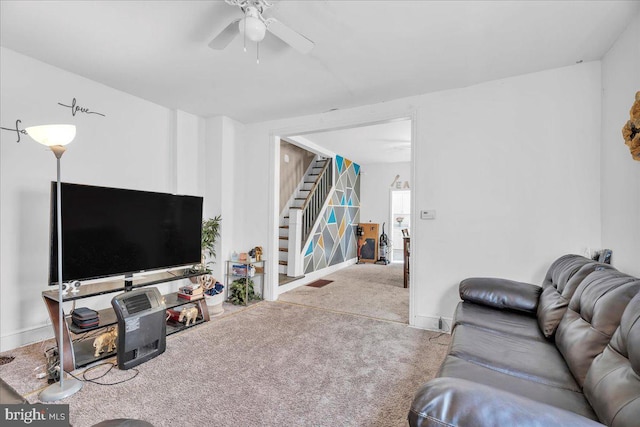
{"x":391,"y":220}
{"x":273,"y":244}
{"x":315,"y":275}
{"x":25,"y":337}
{"x":415,"y":254}
{"x":334,"y":125}
{"x":302,"y":142}
{"x":430,"y":323}
{"x":327,"y":124}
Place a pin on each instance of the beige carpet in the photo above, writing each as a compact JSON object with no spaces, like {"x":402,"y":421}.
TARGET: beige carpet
{"x":273,"y":364}
{"x":365,"y":289}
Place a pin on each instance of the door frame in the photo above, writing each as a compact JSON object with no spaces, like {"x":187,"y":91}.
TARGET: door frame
{"x":272,"y":289}
{"x":391,"y":218}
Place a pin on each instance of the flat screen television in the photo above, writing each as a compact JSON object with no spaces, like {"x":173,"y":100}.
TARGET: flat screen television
{"x":113,"y":231}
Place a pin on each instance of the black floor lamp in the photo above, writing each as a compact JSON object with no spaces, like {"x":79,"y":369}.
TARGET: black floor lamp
{"x":56,"y":137}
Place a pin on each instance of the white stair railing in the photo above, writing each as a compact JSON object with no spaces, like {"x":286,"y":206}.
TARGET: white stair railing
{"x":302,"y":220}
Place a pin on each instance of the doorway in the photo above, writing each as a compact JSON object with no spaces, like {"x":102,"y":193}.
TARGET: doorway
{"x":400,"y":221}
{"x":381,"y":154}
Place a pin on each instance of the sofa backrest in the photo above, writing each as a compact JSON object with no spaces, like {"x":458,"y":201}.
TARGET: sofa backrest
{"x":612,"y":386}
{"x":592,"y":317}
{"x":561,"y":270}
{"x":564,"y":280}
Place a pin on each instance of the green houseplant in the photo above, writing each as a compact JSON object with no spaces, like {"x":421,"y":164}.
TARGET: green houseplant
{"x":213,"y":292}
{"x":210,"y":235}
{"x":238,"y":291}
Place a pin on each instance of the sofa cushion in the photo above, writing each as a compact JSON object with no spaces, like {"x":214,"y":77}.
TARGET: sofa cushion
{"x":503,"y":294}
{"x":616,"y":373}
{"x":521,"y":357}
{"x":454,"y":402}
{"x":504,"y":321}
{"x":573,"y":401}
{"x":592,"y":317}
{"x":555,"y":297}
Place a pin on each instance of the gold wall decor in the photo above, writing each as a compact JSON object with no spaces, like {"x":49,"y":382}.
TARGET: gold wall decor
{"x":631,"y":130}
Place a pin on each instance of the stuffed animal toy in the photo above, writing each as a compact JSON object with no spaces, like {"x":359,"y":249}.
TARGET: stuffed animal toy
{"x":631,"y":130}
{"x":107,"y":339}
{"x":258,"y":250}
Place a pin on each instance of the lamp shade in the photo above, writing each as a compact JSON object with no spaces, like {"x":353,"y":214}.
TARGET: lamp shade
{"x":254,"y":28}
{"x":51,"y":135}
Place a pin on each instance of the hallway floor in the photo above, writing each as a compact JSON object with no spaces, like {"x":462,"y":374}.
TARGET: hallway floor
{"x":368,"y":290}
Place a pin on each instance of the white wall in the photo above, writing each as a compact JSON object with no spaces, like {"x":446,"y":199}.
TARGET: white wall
{"x":375,"y":187}
{"x":189,"y":164}
{"x":511,"y":166}
{"x":219,"y":171}
{"x":137,"y":145}
{"x":620,"y":173}
{"x":376,"y":182}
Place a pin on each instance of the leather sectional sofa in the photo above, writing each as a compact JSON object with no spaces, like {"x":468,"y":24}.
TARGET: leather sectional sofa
{"x":566,"y":353}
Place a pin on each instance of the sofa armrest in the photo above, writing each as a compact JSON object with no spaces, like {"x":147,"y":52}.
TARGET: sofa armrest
{"x":501,"y":293}
{"x":456,"y":402}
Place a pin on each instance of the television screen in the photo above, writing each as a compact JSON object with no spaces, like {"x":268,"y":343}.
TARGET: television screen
{"x":111,"y":231}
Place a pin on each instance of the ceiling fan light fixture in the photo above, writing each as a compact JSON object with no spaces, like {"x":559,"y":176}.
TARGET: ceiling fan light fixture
{"x":255,"y":29}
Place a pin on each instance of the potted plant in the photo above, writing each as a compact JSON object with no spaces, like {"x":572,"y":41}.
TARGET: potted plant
{"x":239,"y":294}
{"x":213,"y":290}
{"x":210,"y":235}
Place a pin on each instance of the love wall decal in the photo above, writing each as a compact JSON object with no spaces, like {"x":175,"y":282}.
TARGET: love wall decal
{"x":74,"y":107}
{"x":78,"y":109}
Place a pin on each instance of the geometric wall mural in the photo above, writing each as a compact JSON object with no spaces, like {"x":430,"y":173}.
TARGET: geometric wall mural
{"x":335,"y":238}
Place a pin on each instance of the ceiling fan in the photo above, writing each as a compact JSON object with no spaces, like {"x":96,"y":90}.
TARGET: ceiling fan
{"x":253,"y":27}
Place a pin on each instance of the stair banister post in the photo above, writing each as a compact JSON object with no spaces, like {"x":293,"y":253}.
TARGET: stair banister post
{"x":295,"y":256}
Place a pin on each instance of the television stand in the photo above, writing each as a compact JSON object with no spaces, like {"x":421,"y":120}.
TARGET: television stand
{"x":79,"y":351}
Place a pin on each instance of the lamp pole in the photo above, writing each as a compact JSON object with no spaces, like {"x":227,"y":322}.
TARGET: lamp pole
{"x":55,"y":137}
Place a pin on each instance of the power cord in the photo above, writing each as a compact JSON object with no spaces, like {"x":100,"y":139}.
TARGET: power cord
{"x":93,"y":380}
{"x":438,"y":336}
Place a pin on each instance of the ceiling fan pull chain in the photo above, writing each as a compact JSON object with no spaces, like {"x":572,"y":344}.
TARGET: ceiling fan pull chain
{"x":257,"y":53}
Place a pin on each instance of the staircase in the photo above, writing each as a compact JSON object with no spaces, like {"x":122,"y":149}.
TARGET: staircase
{"x":304,"y":207}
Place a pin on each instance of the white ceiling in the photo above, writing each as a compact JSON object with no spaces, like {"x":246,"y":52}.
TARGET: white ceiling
{"x":380,"y":143}
{"x":365,"y":51}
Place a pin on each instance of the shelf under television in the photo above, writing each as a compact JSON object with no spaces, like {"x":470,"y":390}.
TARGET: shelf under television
{"x":84,"y":353}
{"x":111,"y":286}
{"x":106,"y":316}
{"x":173,"y":327}
{"x":79,"y":350}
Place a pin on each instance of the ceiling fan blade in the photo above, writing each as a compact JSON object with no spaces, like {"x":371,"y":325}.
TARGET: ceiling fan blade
{"x":223,"y":39}
{"x":287,"y":35}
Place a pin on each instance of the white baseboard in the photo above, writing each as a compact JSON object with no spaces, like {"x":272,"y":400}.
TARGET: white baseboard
{"x":308,"y":278}
{"x":25,"y":337}
{"x":430,"y":323}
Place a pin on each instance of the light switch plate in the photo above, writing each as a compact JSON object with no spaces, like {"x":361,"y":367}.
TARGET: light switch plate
{"x":428,"y":214}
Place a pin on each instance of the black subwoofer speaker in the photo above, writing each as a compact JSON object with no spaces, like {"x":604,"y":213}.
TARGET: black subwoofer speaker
{"x":141,"y":326}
